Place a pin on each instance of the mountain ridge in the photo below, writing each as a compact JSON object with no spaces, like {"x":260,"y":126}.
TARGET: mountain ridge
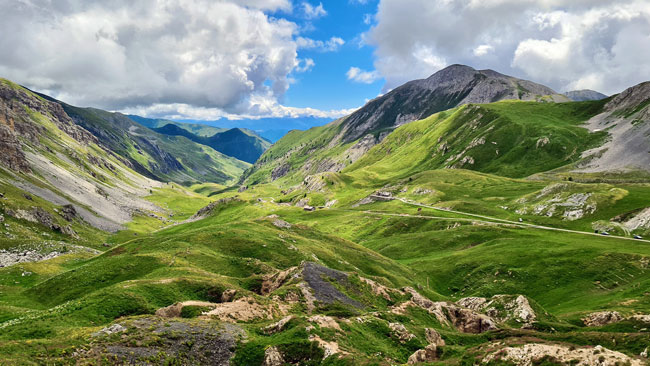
{"x":235,"y":142}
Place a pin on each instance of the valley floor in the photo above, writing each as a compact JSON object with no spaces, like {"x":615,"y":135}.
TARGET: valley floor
{"x":443,"y":267}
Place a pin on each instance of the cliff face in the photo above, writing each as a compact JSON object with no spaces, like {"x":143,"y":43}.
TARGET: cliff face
{"x":17,"y":125}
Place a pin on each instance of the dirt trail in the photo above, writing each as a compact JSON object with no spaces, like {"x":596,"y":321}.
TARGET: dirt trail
{"x":493,"y":220}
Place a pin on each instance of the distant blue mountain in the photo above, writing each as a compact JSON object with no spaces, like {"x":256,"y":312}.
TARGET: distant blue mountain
{"x":271,"y":129}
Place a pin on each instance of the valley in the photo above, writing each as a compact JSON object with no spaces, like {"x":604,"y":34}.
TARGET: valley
{"x":470,"y":218}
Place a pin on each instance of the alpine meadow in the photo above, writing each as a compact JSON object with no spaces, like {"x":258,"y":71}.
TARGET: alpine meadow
{"x":202,"y":183}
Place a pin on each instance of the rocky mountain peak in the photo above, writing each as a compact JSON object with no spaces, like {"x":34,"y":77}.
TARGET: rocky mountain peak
{"x":584,"y":95}
{"x":448,"y":88}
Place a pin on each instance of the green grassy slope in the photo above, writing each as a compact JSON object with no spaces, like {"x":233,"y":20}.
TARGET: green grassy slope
{"x":513,"y":139}
{"x":195,"y":128}
{"x":171,"y":158}
{"x":235,"y":142}
{"x":508,"y":138}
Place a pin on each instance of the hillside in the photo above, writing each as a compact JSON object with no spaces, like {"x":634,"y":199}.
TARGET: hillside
{"x":57,"y":180}
{"x":235,"y":142}
{"x":511,"y":139}
{"x":450,"y":87}
{"x":498,"y":233}
{"x":626,"y":118}
{"x":195,"y":128}
{"x":348,"y":138}
{"x":158,"y":156}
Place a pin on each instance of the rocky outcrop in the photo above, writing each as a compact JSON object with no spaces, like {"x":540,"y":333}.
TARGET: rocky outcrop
{"x":428,"y":354}
{"x":433,"y":337}
{"x":601,"y":318}
{"x":112,"y":329}
{"x":399,"y":331}
{"x":41,"y":216}
{"x":273,"y":281}
{"x":17,"y":103}
{"x":11,"y":154}
{"x":318,"y":279}
{"x":207,"y":210}
{"x":280,"y":171}
{"x":325,"y":321}
{"x":639,"y":221}
{"x":463,"y":319}
{"x":272,"y":357}
{"x":68,"y":212}
{"x":278,"y":326}
{"x":242,"y":309}
{"x":530,"y":354}
{"x":502,"y":308}
{"x":330,"y":348}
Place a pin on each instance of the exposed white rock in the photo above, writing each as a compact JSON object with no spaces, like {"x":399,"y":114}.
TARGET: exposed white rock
{"x":527,"y":354}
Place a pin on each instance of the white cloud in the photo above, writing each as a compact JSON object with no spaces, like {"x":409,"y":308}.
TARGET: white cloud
{"x":201,"y":53}
{"x":305,"y":65}
{"x":599,"y":44}
{"x":483,"y":50}
{"x":332,"y":44}
{"x":362,"y":76}
{"x":367,"y":19}
{"x":313,"y":12}
{"x":258,"y":108}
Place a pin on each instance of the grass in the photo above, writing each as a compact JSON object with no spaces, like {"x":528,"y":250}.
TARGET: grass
{"x":155,"y":262}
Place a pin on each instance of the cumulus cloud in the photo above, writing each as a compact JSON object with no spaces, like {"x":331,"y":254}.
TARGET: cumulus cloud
{"x":362,"y":76}
{"x":203,"y":54}
{"x":567,"y":44}
{"x":313,"y":12}
{"x":305,"y":65}
{"x":332,"y":44}
{"x":259,"y":108}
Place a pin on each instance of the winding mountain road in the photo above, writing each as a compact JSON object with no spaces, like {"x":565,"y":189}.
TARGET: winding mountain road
{"x":487,"y":219}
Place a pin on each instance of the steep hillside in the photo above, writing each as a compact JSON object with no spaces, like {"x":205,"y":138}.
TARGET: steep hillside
{"x":355,"y":134}
{"x":512,"y":139}
{"x":453,"y":86}
{"x":626,"y":118}
{"x":238,"y":143}
{"x":56,"y":177}
{"x":158,"y":156}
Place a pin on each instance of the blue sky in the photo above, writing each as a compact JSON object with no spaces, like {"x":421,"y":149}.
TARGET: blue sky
{"x":326,"y":85}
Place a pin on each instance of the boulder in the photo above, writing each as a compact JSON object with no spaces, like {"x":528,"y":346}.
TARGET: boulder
{"x":281,"y":224}
{"x":601,"y":318}
{"x":400,"y":332}
{"x":112,"y":329}
{"x":272,"y":357}
{"x":278,"y":326}
{"x":428,"y":354}
{"x":433,"y":337}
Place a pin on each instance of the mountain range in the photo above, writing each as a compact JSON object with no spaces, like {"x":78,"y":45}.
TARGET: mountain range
{"x":467,"y":218}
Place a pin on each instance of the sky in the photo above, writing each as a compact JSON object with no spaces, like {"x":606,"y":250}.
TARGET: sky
{"x":261,"y":59}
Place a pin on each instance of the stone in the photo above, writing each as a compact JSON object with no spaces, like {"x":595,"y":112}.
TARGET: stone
{"x":400,"y":332}
{"x":281,"y":224}
{"x":272,"y":357}
{"x":428,"y":354}
{"x":112,"y":329}
{"x":278,"y":326}
{"x":433,"y":337}
{"x":601,"y":318}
